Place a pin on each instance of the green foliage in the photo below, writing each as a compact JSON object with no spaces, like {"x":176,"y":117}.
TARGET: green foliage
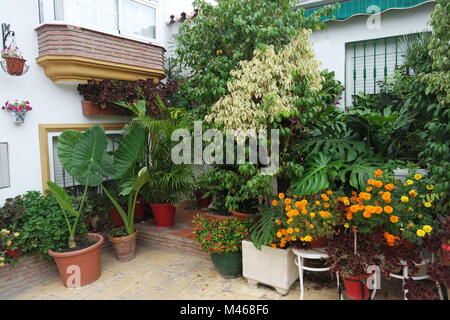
{"x":222,"y":35}
{"x":96,"y":212}
{"x":220,"y":236}
{"x":43,"y":226}
{"x":11,"y":212}
{"x":241,"y":188}
{"x":264,"y":231}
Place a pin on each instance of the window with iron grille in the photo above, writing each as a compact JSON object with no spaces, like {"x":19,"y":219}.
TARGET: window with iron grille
{"x":59,"y":175}
{"x":371,"y":62}
{"x":4,"y":165}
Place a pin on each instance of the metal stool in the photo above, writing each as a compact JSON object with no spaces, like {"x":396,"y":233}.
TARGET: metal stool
{"x":405,"y":275}
{"x":315,"y":254}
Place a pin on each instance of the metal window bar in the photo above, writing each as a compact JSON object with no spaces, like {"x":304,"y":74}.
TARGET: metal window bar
{"x":387,"y":57}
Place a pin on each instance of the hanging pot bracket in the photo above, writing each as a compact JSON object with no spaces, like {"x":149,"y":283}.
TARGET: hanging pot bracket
{"x":25,"y":69}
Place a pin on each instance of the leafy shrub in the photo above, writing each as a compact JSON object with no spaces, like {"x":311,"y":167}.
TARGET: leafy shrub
{"x":43,"y":226}
{"x":220,"y":237}
{"x":11,"y":212}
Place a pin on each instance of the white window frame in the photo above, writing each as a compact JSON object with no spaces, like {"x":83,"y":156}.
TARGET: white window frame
{"x":5,"y":166}
{"x":70,"y":18}
{"x":51,"y":155}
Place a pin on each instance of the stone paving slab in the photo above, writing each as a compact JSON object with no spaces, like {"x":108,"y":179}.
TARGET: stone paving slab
{"x":164,"y":275}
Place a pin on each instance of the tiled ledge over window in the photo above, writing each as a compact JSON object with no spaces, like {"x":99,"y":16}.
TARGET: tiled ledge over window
{"x":99,"y":39}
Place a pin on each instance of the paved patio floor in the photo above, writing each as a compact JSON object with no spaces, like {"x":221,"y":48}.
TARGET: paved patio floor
{"x":159,"y":275}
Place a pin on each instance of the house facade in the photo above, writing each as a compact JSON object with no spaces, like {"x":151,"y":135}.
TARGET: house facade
{"x":67,"y":42}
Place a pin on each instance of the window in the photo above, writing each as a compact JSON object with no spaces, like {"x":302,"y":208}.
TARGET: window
{"x":58,"y":174}
{"x":41,"y":11}
{"x":4,"y":166}
{"x":136,"y":18}
{"x":369,"y":62}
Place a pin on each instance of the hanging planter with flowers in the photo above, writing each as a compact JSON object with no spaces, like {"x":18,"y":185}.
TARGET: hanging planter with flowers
{"x":14,"y":63}
{"x":18,"y":110}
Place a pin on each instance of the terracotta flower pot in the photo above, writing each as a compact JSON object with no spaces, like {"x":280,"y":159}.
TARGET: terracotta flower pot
{"x":114,"y":214}
{"x":202,"y":202}
{"x":92,"y":109}
{"x":164,"y":214}
{"x":139,"y":211}
{"x":124,"y":247}
{"x":81,"y":267}
{"x":242,"y":216}
{"x":356,"y":288}
{"x":15,"y":66}
{"x":319,"y":242}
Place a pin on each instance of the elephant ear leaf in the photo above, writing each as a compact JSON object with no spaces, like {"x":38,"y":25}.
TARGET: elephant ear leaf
{"x":130,"y":148}
{"x":89,"y":156}
{"x":63,"y":199}
{"x":66,"y":143}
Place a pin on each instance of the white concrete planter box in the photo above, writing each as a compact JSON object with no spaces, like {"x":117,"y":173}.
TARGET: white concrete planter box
{"x":270,"y":266}
{"x":403,"y":173}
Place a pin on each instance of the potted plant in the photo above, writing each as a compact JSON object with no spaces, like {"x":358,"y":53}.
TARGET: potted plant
{"x":310,"y":219}
{"x":15,"y":63}
{"x":351,"y":258}
{"x":96,"y":214}
{"x":222,"y":239}
{"x":84,"y":156}
{"x":243,"y":188}
{"x":168,"y":182}
{"x":11,"y":212}
{"x":203,"y":200}
{"x":264,"y":258}
{"x":18,"y":110}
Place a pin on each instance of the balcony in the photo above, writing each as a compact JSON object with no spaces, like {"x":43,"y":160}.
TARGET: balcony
{"x":75,"y":54}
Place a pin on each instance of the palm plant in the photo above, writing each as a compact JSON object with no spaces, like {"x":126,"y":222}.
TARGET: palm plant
{"x":168,"y":182}
{"x":84,"y":156}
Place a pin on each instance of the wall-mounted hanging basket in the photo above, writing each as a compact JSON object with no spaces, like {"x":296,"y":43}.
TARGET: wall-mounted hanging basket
{"x":13,"y":63}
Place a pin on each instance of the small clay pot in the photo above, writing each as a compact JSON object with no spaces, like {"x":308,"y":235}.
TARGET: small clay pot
{"x":81,"y":267}
{"x":124,"y":247}
{"x":15,"y":66}
{"x":319,"y":242}
{"x":242,"y":216}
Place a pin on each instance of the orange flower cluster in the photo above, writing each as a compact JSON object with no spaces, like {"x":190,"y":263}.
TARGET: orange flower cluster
{"x":390,"y":238}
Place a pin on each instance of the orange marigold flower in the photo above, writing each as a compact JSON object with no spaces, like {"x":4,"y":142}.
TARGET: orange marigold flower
{"x":368,"y":189}
{"x":354,"y":208}
{"x":388,"y":209}
{"x":378,"y":184}
{"x":378,"y":210}
{"x":349,"y":216}
{"x":287,"y":208}
{"x":283,"y":231}
{"x":393,"y":219}
{"x":365,"y":195}
{"x":329,"y":192}
{"x":281,"y":195}
{"x":274,"y":203}
{"x":370,"y":181}
{"x":304,"y":211}
{"x":378,"y":173}
{"x":367,"y":214}
{"x":325,"y":197}
{"x":413,"y":193}
{"x":278,"y":222}
{"x":389,"y":187}
{"x":290,"y":230}
{"x":288,"y":201}
{"x":386,"y":196}
{"x":326,"y":205}
{"x":273,"y":245}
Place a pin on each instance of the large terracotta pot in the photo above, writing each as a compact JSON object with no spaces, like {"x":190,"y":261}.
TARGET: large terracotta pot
{"x":15,"y":66}
{"x":164,"y":214}
{"x":81,"y":267}
{"x":319,"y":242}
{"x":202,"y":202}
{"x":124,"y":247}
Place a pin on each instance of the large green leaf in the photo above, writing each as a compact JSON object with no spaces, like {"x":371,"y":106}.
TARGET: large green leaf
{"x":359,"y":171}
{"x":89,"y":155}
{"x":66,"y":143}
{"x":130,"y":148}
{"x":320,"y":171}
{"x":63,"y":199}
{"x":263,"y":231}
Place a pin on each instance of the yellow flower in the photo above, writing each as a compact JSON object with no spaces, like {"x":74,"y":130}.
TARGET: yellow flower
{"x":16,"y":234}
{"x":2,"y":259}
{"x":219,"y":52}
{"x":409,"y":182}
{"x":413,"y":193}
{"x":312,"y":215}
{"x":427,"y":204}
{"x":5,"y":231}
{"x":311,"y":226}
{"x":346,"y":225}
{"x":289,"y":221}
{"x":297,"y":229}
{"x":427,"y":228}
{"x":290,"y":230}
{"x":418,"y":176}
{"x":8,"y":243}
{"x":307,"y":238}
{"x":279,"y":235}
{"x":318,"y":202}
{"x":420,"y":233}
{"x":404,"y":199}
{"x":431,"y":187}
